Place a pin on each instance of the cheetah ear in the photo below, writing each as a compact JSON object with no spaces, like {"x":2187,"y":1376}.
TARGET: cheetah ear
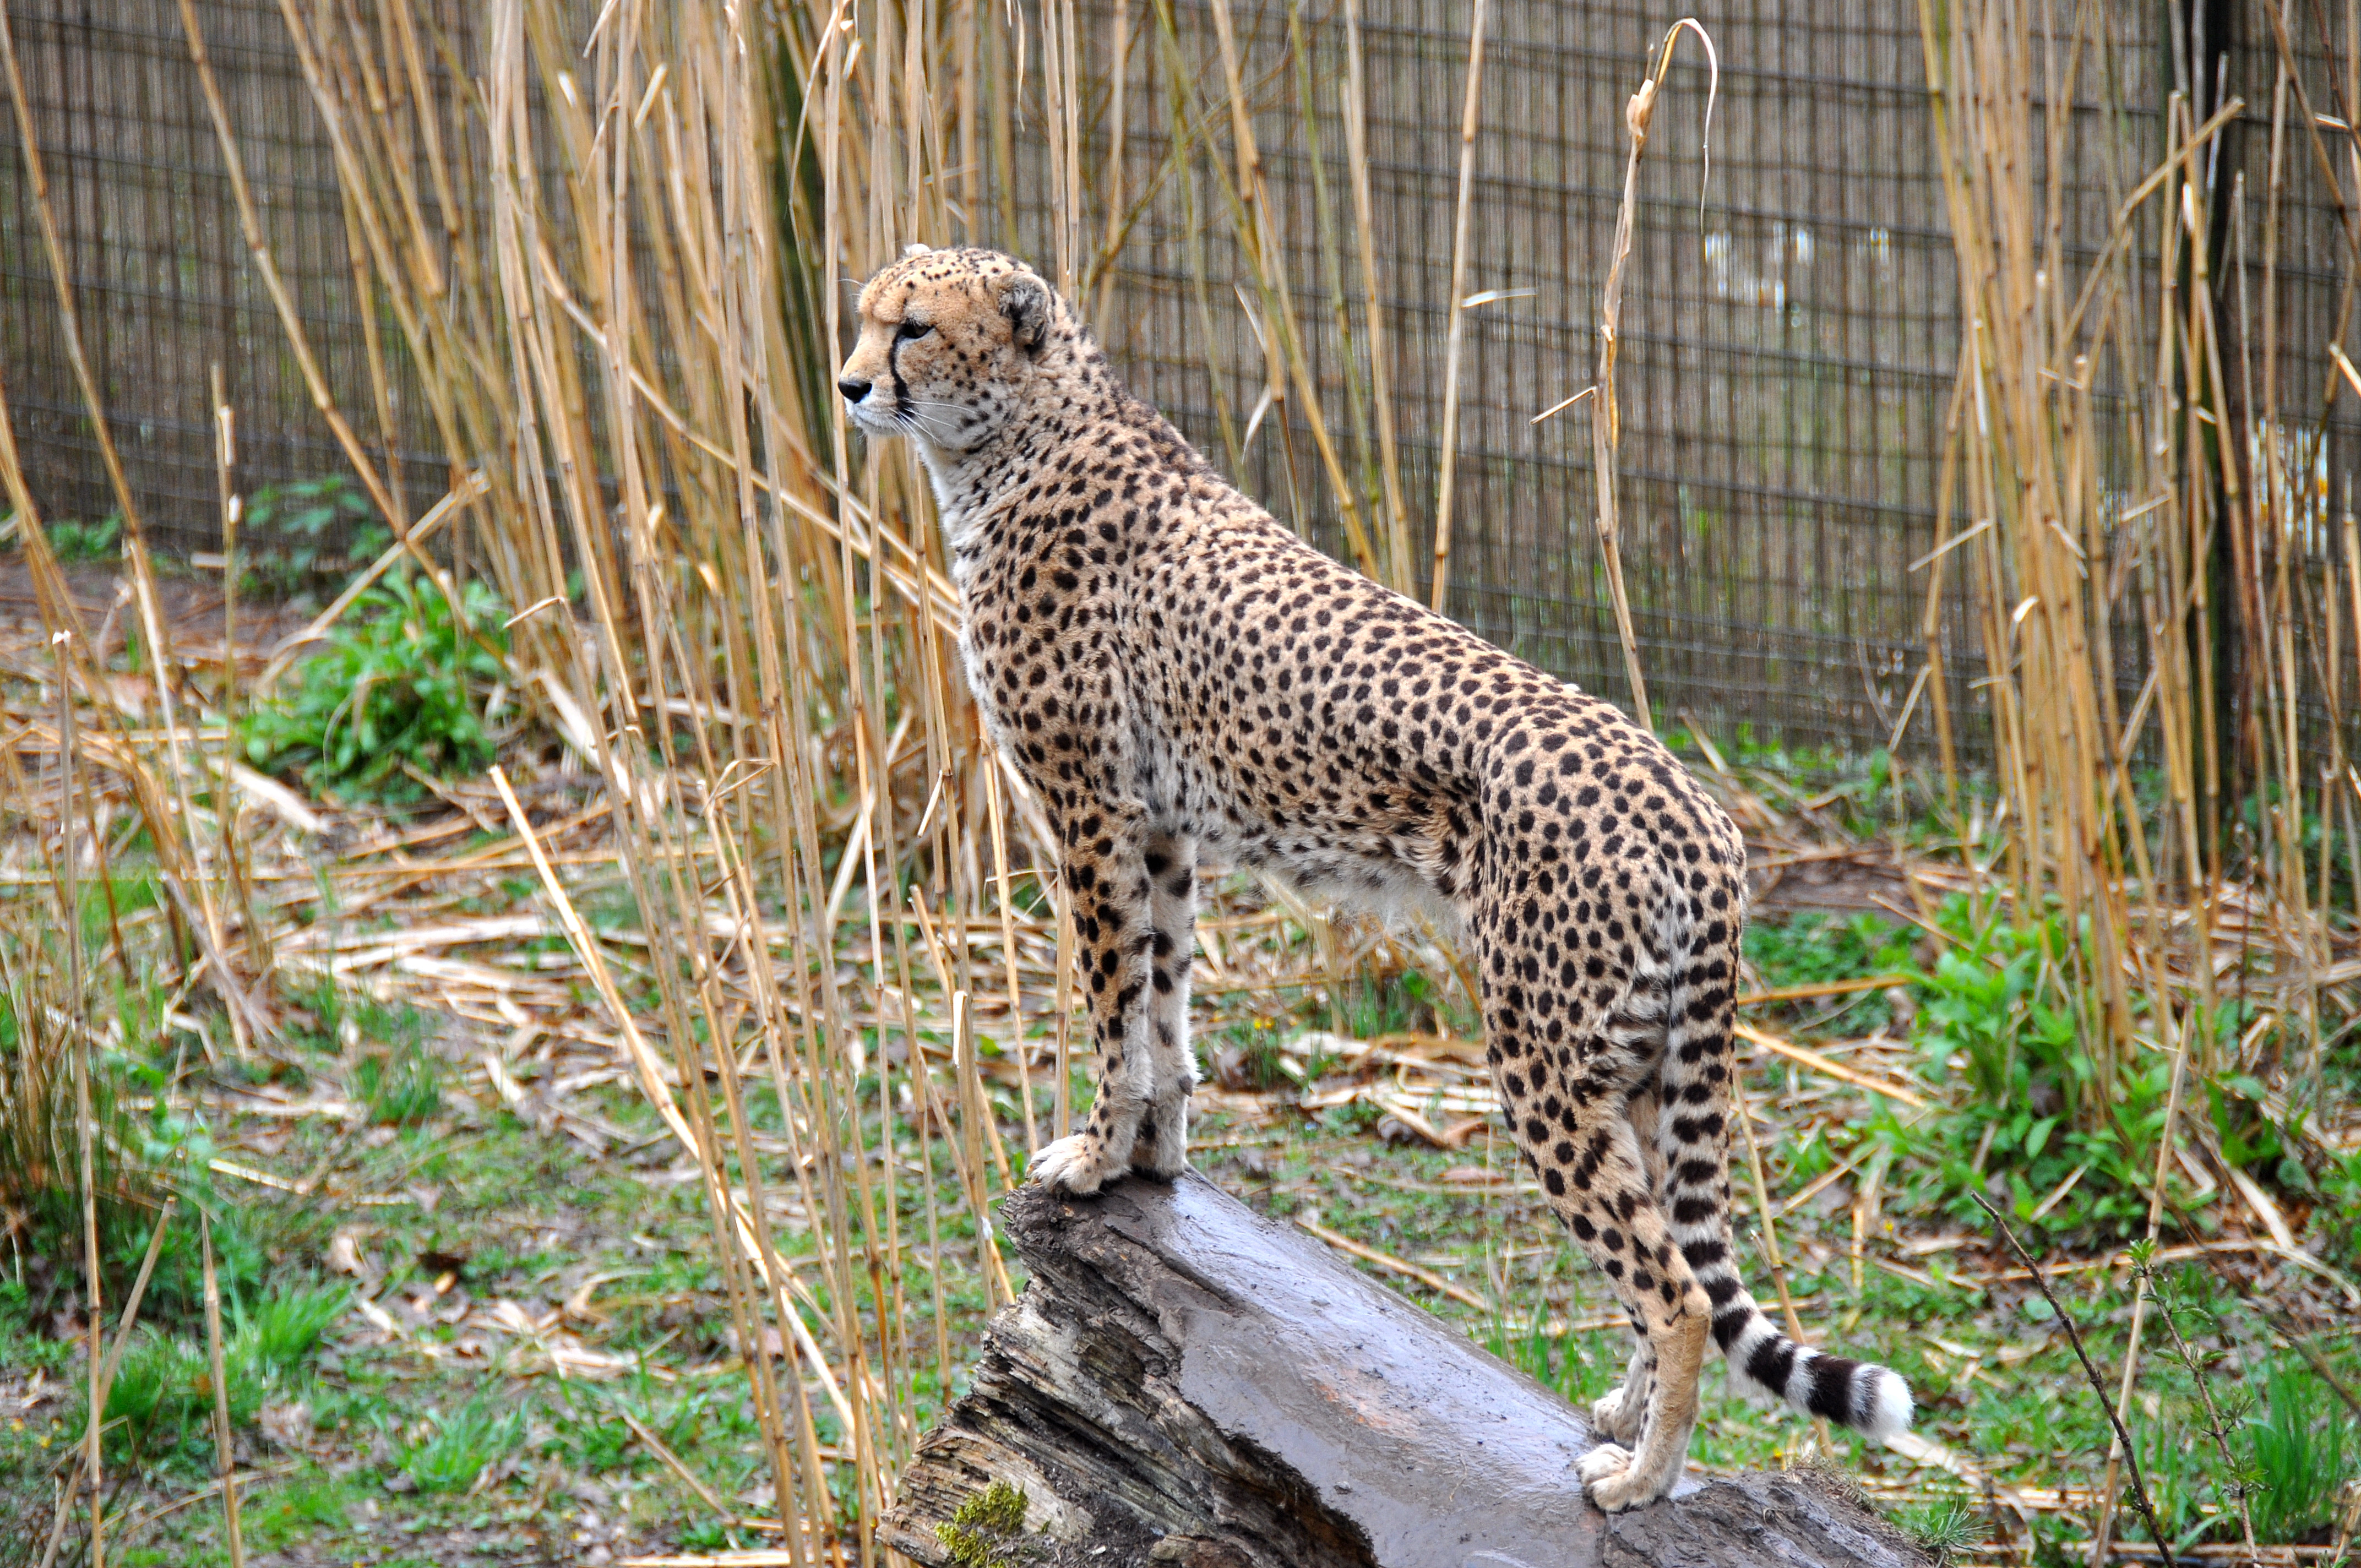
{"x":918,"y":248}
{"x":1025,"y":301}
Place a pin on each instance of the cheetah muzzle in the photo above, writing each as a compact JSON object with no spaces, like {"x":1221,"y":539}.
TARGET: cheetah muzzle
{"x":1177,"y":676}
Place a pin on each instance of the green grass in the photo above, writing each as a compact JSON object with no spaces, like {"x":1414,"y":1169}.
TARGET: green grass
{"x":1813,"y":948}
{"x":475,"y":1449}
{"x":162,"y":1397}
{"x":401,"y":1087}
{"x":461,"y":1445}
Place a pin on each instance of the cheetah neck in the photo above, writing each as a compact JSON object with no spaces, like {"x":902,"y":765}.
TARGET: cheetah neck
{"x":974,"y":485}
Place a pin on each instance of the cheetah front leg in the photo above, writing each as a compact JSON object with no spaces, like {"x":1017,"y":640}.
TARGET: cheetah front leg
{"x":1162,"y":1150}
{"x":1105,"y":872}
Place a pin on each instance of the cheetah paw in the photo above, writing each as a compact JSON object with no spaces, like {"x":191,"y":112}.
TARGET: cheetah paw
{"x":1160,"y":1158}
{"x":1078,"y":1164}
{"x":1618,"y":1415}
{"x":1608,"y":1476}
{"x":1158,"y":1168}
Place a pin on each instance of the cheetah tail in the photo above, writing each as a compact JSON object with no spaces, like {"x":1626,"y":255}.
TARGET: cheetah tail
{"x":1867,"y":1398}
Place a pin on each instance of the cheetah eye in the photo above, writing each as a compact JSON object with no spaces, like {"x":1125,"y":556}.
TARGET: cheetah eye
{"x":909,"y":329}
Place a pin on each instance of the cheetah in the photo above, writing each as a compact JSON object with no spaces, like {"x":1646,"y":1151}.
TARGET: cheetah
{"x":1184,"y":681}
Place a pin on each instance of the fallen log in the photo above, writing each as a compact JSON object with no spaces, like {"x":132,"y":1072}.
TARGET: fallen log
{"x":1184,"y":1382}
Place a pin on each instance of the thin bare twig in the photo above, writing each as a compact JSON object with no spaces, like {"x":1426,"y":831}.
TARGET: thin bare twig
{"x":2098,"y":1384}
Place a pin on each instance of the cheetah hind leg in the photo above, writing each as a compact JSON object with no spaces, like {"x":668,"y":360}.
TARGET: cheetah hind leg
{"x":1621,"y":1413}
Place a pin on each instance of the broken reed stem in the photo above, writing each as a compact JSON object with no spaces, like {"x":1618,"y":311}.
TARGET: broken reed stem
{"x":1448,"y":473}
{"x":85,"y":1127}
{"x":224,"y":1453}
{"x":1770,"y":1218}
{"x":2098,"y":1385}
{"x":1605,"y":412}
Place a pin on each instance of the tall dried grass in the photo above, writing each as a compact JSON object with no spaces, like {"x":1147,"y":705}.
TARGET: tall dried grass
{"x":622,"y":306}
{"x":2146,"y":518}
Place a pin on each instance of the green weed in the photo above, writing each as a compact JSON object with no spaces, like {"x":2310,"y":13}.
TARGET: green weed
{"x":2029,"y":1112}
{"x":302,"y":538}
{"x":1376,"y":1002}
{"x":75,"y":543}
{"x":279,"y":1335}
{"x":399,"y":691}
{"x":1945,"y":1528}
{"x":2249,"y":1139}
{"x":462,"y":1445}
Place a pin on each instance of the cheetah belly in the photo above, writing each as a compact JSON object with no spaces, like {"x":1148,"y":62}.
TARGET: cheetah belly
{"x":1363,"y":873}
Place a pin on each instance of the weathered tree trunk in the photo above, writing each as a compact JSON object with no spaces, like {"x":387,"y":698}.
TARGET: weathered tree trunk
{"x":1185,"y":1382}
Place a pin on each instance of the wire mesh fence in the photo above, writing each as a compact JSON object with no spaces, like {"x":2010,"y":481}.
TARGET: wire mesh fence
{"x":159,"y":268}
{"x":1789,"y":352}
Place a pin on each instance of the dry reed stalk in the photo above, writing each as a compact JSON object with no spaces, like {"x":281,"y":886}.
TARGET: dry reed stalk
{"x":2034,"y":470}
{"x":166,"y":805}
{"x":2081,"y":532}
{"x":255,"y":930}
{"x":85,"y":1130}
{"x":224,"y":1458}
{"x":1606,"y":413}
{"x":1470,"y":107}
{"x":1400,"y":576}
{"x":1287,"y":361}
{"x":1770,"y":1221}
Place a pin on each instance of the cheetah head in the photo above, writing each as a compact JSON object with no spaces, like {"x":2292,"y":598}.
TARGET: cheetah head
{"x":951,"y":341}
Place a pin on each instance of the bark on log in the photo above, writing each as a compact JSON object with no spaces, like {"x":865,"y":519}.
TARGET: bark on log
{"x":1184,"y":1382}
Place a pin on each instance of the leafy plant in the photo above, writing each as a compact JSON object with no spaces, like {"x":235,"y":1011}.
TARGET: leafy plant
{"x":2031,"y":1122}
{"x":1383,"y":1001}
{"x":2246,"y":1136}
{"x":399,"y":690}
{"x":299,"y":538}
{"x":75,"y":542}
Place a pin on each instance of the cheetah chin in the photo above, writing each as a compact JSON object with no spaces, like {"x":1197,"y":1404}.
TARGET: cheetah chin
{"x":1176,"y":677}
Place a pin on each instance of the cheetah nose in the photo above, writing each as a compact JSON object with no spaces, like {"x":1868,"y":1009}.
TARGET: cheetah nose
{"x":853,"y":388}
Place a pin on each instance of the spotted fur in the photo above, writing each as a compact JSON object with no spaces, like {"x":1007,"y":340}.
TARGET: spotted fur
{"x":1180,"y":678}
